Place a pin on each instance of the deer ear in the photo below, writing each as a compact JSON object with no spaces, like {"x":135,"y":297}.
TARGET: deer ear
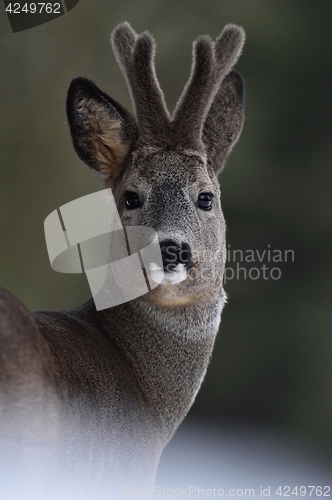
{"x":223,"y":124}
{"x":102,"y":131}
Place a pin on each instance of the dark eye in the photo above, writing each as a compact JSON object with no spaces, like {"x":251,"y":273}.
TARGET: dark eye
{"x":205,"y":201}
{"x":132,"y":200}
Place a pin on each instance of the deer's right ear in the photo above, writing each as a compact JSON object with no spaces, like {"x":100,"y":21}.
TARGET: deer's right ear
{"x":103,"y":132}
{"x":223,"y":124}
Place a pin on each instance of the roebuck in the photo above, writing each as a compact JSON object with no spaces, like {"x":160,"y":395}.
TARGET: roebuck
{"x":102,"y":392}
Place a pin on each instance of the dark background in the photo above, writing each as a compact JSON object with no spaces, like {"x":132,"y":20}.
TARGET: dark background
{"x":272,"y":365}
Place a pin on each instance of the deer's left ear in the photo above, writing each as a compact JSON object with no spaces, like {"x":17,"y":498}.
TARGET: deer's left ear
{"x":103,"y":132}
{"x":224,"y":122}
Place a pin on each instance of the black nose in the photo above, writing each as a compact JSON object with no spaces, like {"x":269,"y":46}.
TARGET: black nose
{"x":173,"y":255}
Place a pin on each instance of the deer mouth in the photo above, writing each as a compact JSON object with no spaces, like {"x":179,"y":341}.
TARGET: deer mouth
{"x":171,"y":276}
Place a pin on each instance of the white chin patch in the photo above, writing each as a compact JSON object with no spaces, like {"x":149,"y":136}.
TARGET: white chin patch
{"x":173,"y":277}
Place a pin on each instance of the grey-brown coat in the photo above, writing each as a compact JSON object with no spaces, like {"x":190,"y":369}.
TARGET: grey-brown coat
{"x":103,"y":392}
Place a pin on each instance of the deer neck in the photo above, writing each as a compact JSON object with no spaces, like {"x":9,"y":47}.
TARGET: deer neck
{"x":168,"y":348}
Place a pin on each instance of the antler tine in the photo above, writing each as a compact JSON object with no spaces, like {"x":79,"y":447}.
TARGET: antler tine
{"x":135,"y":55}
{"x":211,"y":63}
{"x":123,"y":40}
{"x":228,"y":47}
{"x":190,"y":111}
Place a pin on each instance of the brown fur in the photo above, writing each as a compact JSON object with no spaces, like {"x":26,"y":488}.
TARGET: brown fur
{"x":113,"y":386}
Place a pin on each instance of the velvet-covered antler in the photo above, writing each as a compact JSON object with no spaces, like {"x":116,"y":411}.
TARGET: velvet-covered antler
{"x":212,"y":61}
{"x":135,"y":55}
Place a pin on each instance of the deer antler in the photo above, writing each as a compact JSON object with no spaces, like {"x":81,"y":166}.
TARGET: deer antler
{"x":211,"y":63}
{"x":135,"y":55}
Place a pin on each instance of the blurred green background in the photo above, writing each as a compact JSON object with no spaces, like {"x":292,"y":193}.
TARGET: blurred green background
{"x":273,"y":359}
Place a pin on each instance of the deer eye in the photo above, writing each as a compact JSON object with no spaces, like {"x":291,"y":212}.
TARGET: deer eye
{"x":132,"y":200}
{"x":205,"y":201}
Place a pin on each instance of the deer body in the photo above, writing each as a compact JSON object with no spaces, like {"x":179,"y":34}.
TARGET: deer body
{"x":106,"y":390}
